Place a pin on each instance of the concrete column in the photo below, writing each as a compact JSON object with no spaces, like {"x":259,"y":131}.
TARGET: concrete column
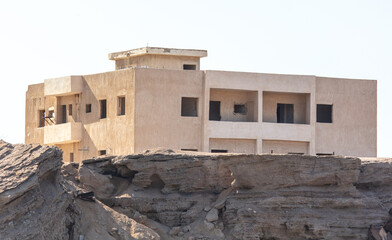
{"x":260,"y":106}
{"x":313,"y":108}
{"x":259,"y":146}
{"x":206,"y":105}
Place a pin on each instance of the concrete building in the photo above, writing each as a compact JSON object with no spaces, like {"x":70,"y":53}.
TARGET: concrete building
{"x":159,"y":97}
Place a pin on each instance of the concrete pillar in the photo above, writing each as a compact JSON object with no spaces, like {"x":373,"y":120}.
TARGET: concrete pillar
{"x":259,"y":146}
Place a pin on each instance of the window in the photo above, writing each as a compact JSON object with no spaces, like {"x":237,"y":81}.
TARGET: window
{"x":71,"y":157}
{"x":121,"y":106}
{"x":189,"y":67}
{"x":295,"y":153}
{"x":215,"y":111}
{"x":240,"y":109}
{"x":218,"y":151}
{"x":41,"y":118}
{"x":51,"y":114}
{"x":70,"y":109}
{"x":88,"y":108}
{"x":102,"y":104}
{"x":324,"y":113}
{"x":188,"y":150}
{"x":101,"y":152}
{"x":188,"y":107}
{"x":63,"y":113}
{"x":325,"y":154}
{"x":285,"y":113}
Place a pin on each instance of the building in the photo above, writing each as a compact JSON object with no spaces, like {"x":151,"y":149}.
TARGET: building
{"x":159,"y":97}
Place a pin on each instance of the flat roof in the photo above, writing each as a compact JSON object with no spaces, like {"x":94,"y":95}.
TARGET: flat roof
{"x":158,"y":51}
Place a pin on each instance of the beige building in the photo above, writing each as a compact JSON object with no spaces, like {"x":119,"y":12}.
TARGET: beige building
{"x":159,"y":97}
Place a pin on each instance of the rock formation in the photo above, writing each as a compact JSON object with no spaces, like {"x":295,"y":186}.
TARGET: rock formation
{"x":37,"y":202}
{"x":165,"y":194}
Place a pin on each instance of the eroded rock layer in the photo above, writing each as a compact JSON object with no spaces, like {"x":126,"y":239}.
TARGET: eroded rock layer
{"x":164,"y":194}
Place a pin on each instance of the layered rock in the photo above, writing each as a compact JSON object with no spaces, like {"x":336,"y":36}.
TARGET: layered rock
{"x":247,"y":196}
{"x":165,"y":194}
{"x":36,"y":202}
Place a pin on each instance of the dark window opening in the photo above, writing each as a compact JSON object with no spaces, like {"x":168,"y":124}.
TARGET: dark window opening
{"x":215,"y":111}
{"x":102,"y":103}
{"x":51,"y":114}
{"x":285,"y":113}
{"x":88,"y":108}
{"x":295,"y":153}
{"x":324,"y":113}
{"x":188,"y":150}
{"x":101,"y":152}
{"x":70,"y":109}
{"x":71,"y":157}
{"x":325,"y":154}
{"x":189,"y":67}
{"x":188,"y":107}
{"x":218,"y":151}
{"x":240,"y":109}
{"x":63,"y":113}
{"x":41,"y":118}
{"x":121,"y":106}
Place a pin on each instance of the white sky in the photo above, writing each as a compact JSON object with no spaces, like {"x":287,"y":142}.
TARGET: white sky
{"x":44,"y":39}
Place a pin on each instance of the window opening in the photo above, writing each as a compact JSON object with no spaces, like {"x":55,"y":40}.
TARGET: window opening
{"x":71,"y":157}
{"x":240,"y":109}
{"x":102,"y":103}
{"x":121,"y":106}
{"x":188,"y":107}
{"x":41,"y":118}
{"x":51,"y":114}
{"x":70,"y":109}
{"x":63,"y":113}
{"x":325,"y":154}
{"x":285,"y":113}
{"x":219,"y":151}
{"x":324,"y":113}
{"x":215,"y":111}
{"x":88,"y":108}
{"x":189,"y":67}
{"x":188,"y":150}
{"x":295,"y":153}
{"x":101,"y":152}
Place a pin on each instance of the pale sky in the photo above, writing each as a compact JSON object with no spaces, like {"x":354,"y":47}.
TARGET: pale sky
{"x":44,"y":39}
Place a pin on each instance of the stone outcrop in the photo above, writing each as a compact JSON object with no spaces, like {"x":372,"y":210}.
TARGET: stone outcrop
{"x":36,"y":202}
{"x":165,"y":194}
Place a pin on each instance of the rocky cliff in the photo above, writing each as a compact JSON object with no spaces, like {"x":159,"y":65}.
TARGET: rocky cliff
{"x":164,"y":194}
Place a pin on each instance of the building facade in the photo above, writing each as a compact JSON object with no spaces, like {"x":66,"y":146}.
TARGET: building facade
{"x":159,"y":97}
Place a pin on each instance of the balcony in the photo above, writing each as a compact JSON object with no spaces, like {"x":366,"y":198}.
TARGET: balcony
{"x":63,"y":86}
{"x":63,"y":133}
{"x":288,"y":132}
{"x":222,"y":129}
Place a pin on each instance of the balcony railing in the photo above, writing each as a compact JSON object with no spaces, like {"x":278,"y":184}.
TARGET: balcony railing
{"x":63,"y":133}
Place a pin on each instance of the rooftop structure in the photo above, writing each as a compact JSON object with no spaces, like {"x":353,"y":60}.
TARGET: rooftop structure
{"x":159,"y":97}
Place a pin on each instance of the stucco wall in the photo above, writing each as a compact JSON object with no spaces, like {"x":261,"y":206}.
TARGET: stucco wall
{"x":233,"y":145}
{"x":276,"y":146}
{"x":35,"y":101}
{"x":353,"y":131}
{"x":70,"y":148}
{"x":114,"y":133}
{"x":158,"y":109}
